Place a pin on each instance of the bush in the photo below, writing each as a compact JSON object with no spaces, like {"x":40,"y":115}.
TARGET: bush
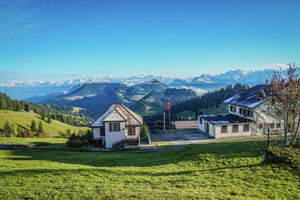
{"x":80,"y":139}
{"x":27,"y":134}
{"x":144,"y":139}
{"x":144,"y":131}
{"x":44,"y":134}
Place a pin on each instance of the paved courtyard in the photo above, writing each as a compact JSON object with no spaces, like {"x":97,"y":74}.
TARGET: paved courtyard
{"x":179,"y":136}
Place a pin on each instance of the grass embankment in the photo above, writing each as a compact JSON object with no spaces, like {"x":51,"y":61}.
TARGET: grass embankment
{"x":207,"y":171}
{"x":24,"y":119}
{"x":9,"y":140}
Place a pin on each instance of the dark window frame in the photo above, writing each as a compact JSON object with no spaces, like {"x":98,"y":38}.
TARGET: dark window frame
{"x":235,"y":128}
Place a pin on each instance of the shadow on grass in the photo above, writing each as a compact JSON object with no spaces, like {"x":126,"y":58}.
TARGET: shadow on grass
{"x":113,"y":171}
{"x":216,"y":154}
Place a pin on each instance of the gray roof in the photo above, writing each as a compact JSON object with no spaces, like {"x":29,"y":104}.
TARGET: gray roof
{"x":225,"y":119}
{"x":251,"y":97}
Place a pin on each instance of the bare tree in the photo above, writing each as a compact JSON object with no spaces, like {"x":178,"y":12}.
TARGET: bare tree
{"x":283,"y":102}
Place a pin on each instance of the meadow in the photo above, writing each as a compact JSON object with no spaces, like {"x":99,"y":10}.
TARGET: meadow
{"x":204,"y":171}
{"x":24,"y":119}
{"x":16,"y":140}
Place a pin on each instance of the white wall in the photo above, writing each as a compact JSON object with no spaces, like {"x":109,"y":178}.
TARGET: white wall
{"x":201,"y":126}
{"x":113,"y":137}
{"x":96,"y":132}
{"x":237,"y":112}
{"x":218,"y":129}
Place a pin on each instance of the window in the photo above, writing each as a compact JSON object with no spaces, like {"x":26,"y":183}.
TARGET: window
{"x":278,"y":125}
{"x":260,"y":126}
{"x":246,"y":127}
{"x":131,"y":130}
{"x":251,"y":113}
{"x":235,"y":128}
{"x":224,"y":129}
{"x":241,"y":111}
{"x":272,"y":125}
{"x":114,"y":127}
{"x":232,"y":108}
{"x":200,"y":120}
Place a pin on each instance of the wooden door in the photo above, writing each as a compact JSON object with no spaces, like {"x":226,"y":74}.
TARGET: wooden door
{"x":207,"y":127}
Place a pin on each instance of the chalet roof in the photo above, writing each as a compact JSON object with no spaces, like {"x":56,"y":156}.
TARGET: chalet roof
{"x":225,"y":119}
{"x":249,"y":98}
{"x":118,"y":112}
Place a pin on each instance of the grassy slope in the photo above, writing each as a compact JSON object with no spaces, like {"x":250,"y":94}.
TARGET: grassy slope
{"x":208,"y":171}
{"x":24,"y":119}
{"x":8,"y":140}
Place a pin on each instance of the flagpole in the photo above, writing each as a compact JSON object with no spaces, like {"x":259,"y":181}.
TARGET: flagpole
{"x":170,"y":116}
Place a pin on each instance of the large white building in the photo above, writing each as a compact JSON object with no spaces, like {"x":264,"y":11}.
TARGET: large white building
{"x":246,"y":116}
{"x":116,"y":125}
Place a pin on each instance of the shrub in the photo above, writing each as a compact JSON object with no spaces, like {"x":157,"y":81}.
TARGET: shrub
{"x":81,"y":139}
{"x":27,"y":134}
{"x":144,"y":131}
{"x":44,"y":134}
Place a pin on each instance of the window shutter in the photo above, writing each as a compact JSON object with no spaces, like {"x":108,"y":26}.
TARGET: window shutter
{"x":133,"y":130}
{"x":110,"y":126}
{"x":118,"y":126}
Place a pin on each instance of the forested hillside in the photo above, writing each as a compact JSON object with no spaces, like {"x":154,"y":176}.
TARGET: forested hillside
{"x":196,"y":104}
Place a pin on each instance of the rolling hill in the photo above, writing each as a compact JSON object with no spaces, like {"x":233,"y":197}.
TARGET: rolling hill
{"x":23,"y":120}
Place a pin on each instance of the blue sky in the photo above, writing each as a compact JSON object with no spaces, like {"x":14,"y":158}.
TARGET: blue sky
{"x":61,"y":39}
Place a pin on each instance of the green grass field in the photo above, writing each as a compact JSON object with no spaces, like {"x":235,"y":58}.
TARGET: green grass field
{"x":9,"y":140}
{"x":23,"y":119}
{"x":207,"y":171}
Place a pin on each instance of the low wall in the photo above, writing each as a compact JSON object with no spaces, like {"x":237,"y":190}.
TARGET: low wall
{"x":186,"y":124}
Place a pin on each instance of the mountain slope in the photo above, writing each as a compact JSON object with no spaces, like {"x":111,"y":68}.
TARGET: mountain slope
{"x":156,"y":102}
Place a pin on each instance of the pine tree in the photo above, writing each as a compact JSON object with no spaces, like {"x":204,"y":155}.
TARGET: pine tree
{"x":33,"y":126}
{"x":6,"y":129}
{"x":40,"y":127}
{"x":12,"y":130}
{"x":49,"y":118}
{"x":20,"y":132}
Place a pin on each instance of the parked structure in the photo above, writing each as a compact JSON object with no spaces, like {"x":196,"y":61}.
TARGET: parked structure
{"x":117,"y":125}
{"x":247,"y":116}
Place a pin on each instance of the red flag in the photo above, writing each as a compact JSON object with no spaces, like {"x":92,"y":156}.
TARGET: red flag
{"x":168,"y":107}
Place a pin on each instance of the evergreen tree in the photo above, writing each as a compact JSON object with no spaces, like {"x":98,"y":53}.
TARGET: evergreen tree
{"x":12,"y":130}
{"x":49,"y":118}
{"x":68,"y":133}
{"x":20,"y":132}
{"x":6,"y":129}
{"x":33,"y":126}
{"x":40,"y":127}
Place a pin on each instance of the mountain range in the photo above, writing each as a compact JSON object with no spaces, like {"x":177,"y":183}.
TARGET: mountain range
{"x":200,"y":84}
{"x":145,"y":98}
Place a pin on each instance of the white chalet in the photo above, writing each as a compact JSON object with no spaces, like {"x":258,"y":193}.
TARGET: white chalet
{"x":118,"y":124}
{"x":246,"y":110}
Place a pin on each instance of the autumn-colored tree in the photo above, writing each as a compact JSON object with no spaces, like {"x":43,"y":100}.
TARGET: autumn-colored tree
{"x":28,"y":134}
{"x":284,"y":102}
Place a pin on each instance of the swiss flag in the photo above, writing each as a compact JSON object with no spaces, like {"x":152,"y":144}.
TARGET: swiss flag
{"x":168,"y":107}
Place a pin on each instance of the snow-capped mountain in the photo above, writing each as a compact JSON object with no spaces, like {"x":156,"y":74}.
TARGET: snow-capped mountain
{"x":200,"y":84}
